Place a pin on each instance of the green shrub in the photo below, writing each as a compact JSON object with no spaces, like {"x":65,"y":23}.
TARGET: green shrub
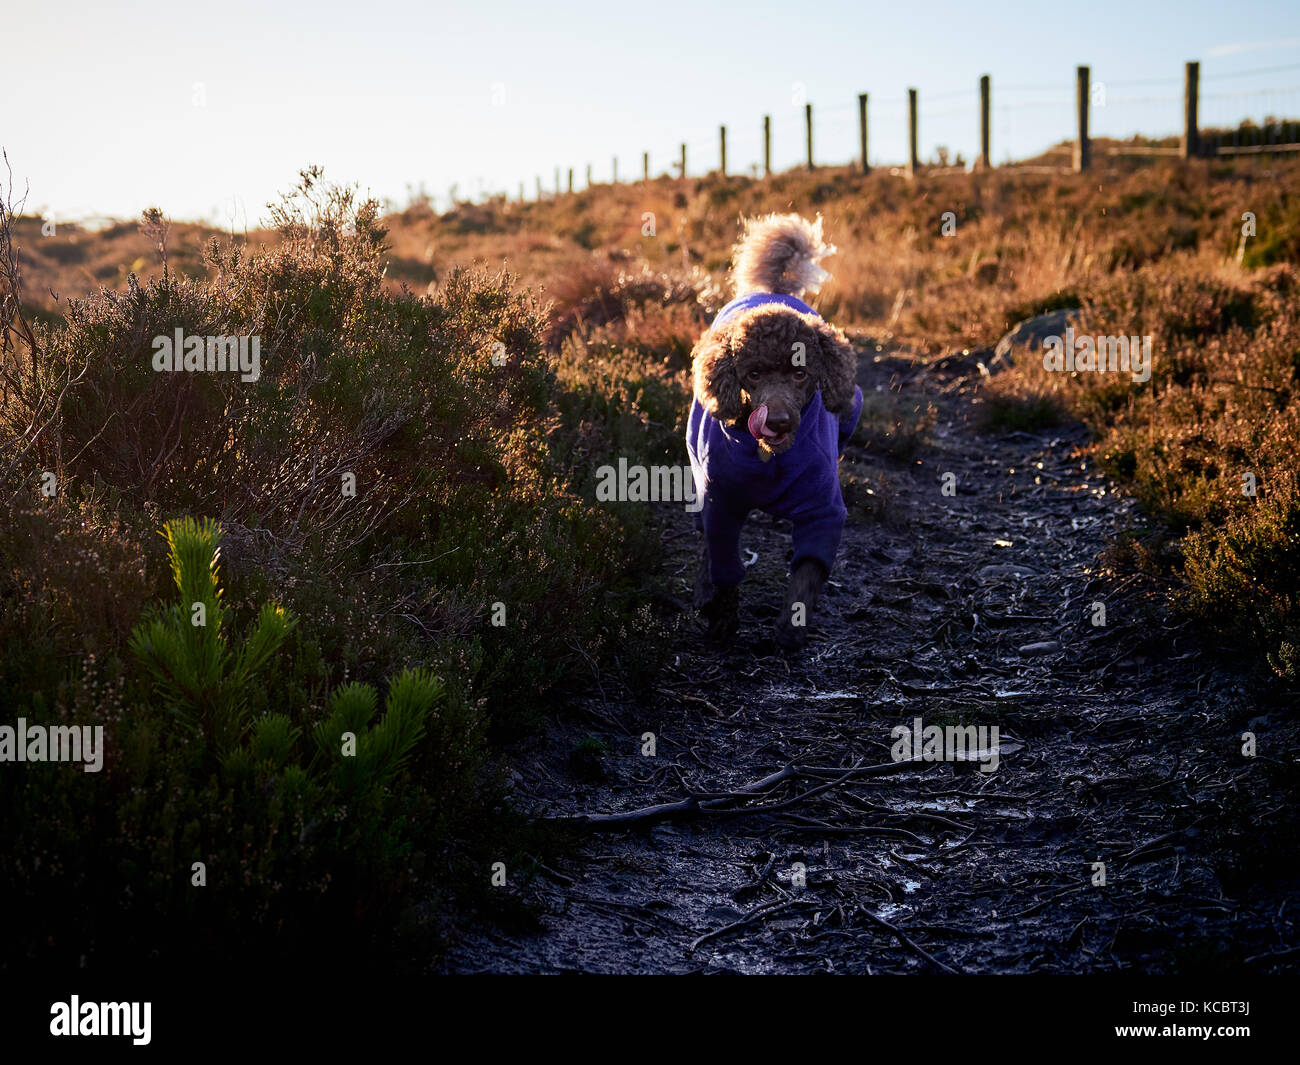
{"x":186,"y":651}
{"x":226,"y":739}
{"x":347,"y":833}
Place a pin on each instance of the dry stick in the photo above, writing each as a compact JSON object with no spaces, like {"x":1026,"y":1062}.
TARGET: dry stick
{"x":798,"y":823}
{"x":1159,"y":843}
{"x":692,"y":699}
{"x":1276,"y":955}
{"x":1047,"y":901}
{"x":902,"y":938}
{"x":917,"y":866}
{"x":633,"y":911}
{"x":772,"y":807}
{"x":694,"y":806}
{"x":761,"y":911}
{"x":746,"y":889}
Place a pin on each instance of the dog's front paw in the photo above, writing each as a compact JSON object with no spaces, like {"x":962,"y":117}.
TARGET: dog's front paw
{"x":790,"y":636}
{"x":721,"y":614}
{"x":801,"y":596}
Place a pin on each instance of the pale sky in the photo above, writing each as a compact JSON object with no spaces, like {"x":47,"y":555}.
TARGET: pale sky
{"x":208,"y":111}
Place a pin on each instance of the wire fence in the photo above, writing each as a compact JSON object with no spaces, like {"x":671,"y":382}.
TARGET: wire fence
{"x":1210,"y":115}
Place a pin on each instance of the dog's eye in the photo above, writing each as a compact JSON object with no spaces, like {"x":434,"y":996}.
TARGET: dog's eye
{"x":800,"y":373}
{"x":753,"y":375}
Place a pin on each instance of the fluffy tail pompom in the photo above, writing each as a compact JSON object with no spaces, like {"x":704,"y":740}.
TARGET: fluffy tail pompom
{"x":780,"y":253}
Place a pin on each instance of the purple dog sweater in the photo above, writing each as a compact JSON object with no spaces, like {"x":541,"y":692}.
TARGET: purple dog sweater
{"x":801,"y":484}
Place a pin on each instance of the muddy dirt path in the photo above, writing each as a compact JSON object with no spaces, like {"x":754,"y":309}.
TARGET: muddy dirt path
{"x":1119,"y":743}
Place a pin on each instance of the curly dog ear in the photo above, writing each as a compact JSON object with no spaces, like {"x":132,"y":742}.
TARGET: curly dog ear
{"x":717,"y":385}
{"x":837,"y":369}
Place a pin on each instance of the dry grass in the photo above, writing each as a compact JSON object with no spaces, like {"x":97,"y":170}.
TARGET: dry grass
{"x":943,"y":263}
{"x":479,"y":482}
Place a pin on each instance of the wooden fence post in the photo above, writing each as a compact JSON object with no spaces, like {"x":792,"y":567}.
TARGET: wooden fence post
{"x":913,"y":163}
{"x":683,"y":163}
{"x":588,"y":175}
{"x":722,"y":133}
{"x":767,"y":145}
{"x":539,"y":189}
{"x":570,"y":179}
{"x":645,"y":166}
{"x":615,"y":170}
{"x":807,"y":117}
{"x":1191,"y":145}
{"x":521,"y":192}
{"x":862,"y":129}
{"x":985,"y":160}
{"x":1082,"y":145}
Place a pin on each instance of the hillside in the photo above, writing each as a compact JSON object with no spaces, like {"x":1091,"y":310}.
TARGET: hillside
{"x":409,"y":549}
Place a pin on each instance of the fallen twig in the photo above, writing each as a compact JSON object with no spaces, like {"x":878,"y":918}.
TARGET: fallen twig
{"x":907,"y":942}
{"x":694,"y":806}
{"x":749,"y":918}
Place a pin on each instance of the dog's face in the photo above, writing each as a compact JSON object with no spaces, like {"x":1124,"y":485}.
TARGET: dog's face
{"x":775,"y":385}
{"x":762,"y":367}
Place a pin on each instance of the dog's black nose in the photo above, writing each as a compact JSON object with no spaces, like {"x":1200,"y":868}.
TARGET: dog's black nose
{"x":778,"y":423}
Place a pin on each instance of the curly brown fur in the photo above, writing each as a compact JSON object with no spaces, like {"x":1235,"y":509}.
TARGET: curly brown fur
{"x":780,"y":253}
{"x":774,"y":356}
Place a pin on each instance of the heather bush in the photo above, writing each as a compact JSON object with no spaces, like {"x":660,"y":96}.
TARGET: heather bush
{"x":474,"y":417}
{"x":341,"y":831}
{"x":1209,"y":444}
{"x":401,"y":465}
{"x":1149,"y":249}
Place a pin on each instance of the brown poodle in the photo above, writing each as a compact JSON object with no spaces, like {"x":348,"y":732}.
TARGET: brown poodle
{"x":775,"y":402}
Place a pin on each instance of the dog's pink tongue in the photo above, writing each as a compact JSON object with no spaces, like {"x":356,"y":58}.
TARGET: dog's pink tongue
{"x":758,"y":423}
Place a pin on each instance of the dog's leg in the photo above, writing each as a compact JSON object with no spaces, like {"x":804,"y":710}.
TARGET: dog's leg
{"x":717,"y":588}
{"x":806,"y":582}
{"x":718,"y":605}
{"x":815,"y":541}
